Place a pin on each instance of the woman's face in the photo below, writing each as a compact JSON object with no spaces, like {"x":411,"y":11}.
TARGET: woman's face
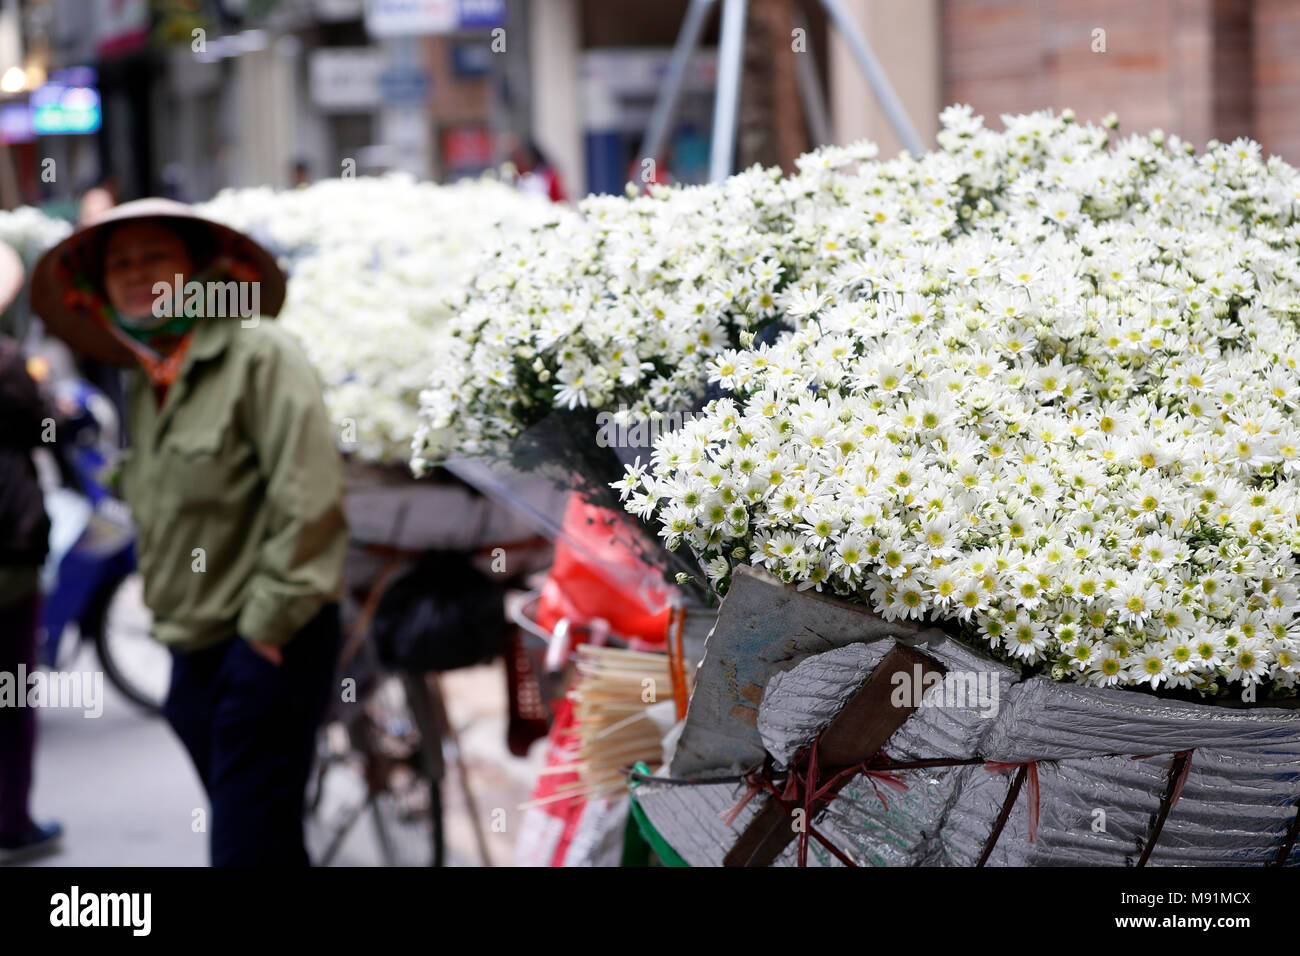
{"x":138,"y":256}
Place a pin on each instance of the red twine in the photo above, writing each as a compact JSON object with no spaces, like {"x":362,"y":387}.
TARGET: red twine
{"x":803,"y":790}
{"x":1031,"y":780}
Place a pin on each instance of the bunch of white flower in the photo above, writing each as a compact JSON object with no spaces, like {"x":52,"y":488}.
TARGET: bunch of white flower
{"x":621,"y":309}
{"x":376,"y":267}
{"x":1070,"y":425}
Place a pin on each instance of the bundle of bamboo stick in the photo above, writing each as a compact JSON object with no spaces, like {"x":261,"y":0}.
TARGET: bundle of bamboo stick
{"x":617,"y":696}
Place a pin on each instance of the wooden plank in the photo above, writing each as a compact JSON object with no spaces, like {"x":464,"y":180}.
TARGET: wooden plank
{"x":858,"y":731}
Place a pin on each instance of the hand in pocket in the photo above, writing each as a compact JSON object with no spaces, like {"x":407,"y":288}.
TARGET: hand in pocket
{"x":270,"y":652}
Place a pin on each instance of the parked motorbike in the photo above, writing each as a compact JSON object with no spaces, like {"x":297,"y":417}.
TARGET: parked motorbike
{"x":91,"y":591}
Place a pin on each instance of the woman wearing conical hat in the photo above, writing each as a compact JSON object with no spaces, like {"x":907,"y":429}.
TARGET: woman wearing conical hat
{"x":236,"y":489}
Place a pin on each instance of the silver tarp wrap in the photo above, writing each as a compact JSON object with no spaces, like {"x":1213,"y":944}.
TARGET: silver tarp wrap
{"x":1103,"y":757}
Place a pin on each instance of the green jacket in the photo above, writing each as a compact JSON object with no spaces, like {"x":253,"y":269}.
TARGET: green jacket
{"x":236,"y":488}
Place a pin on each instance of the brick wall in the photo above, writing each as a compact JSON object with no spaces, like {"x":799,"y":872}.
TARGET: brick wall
{"x":1235,"y":51}
{"x":1277,"y":77}
{"x":1201,"y":68}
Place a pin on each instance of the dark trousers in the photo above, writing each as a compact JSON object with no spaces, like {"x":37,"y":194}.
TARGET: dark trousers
{"x":250,"y":728}
{"x":17,"y":724}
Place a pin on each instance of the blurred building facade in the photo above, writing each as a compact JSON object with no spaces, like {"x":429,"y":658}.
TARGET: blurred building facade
{"x":1204,"y":69}
{"x":193,"y":95}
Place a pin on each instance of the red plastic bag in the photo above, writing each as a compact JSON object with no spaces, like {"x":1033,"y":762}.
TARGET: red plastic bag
{"x":598,"y":574}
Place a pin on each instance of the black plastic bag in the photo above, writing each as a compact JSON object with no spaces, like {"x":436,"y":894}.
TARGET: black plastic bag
{"x":441,"y":614}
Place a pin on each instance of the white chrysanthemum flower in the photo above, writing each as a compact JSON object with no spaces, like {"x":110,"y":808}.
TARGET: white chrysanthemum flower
{"x":377,"y":267}
{"x":1031,"y":384}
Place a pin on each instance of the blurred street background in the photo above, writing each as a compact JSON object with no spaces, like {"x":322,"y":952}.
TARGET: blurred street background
{"x":184,"y":97}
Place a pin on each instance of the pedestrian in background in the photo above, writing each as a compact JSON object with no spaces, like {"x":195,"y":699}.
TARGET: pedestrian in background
{"x":98,"y":199}
{"x":235,"y":485}
{"x":537,"y":175}
{"x":24,"y":541}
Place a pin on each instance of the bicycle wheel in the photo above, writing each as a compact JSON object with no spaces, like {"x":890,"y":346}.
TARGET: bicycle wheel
{"x":134,"y":662}
{"x":370,"y":767}
{"x":407,"y":814}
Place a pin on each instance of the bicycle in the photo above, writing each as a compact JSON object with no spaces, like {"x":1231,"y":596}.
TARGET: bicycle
{"x":386,"y":744}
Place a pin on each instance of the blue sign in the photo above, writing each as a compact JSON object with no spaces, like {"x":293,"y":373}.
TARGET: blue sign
{"x":59,"y":109}
{"x":481,"y":14}
{"x":74,"y":76}
{"x":399,"y":84}
{"x":471,"y":58}
{"x":16,"y":123}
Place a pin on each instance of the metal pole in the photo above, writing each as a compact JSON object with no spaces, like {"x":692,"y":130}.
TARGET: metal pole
{"x":875,"y":74}
{"x":666,"y":103}
{"x":810,"y":87}
{"x":727,"y":98}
